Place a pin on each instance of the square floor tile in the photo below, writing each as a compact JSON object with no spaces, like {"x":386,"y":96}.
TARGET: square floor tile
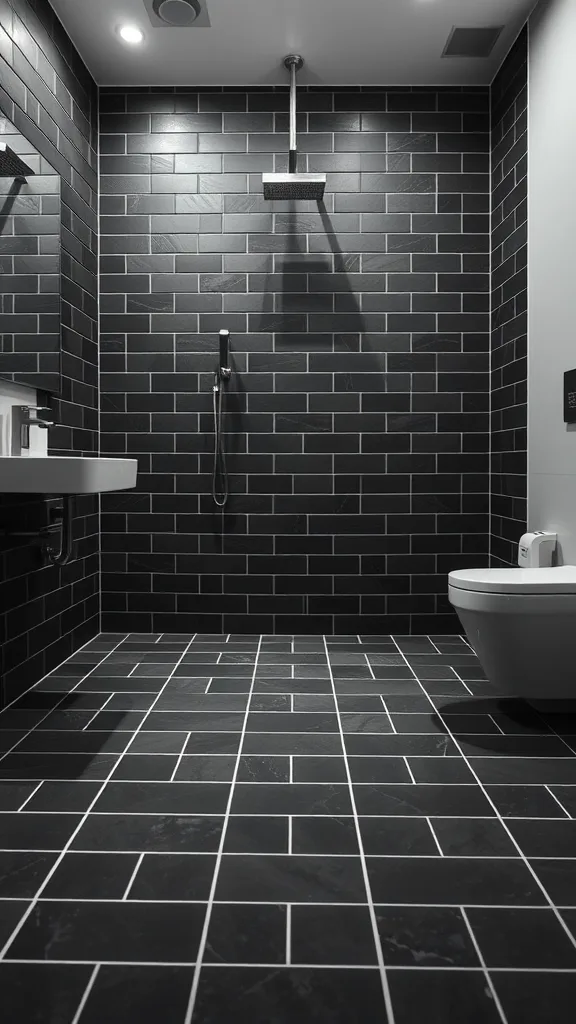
{"x":531,"y":997}
{"x":42,"y":993}
{"x":173,"y":876}
{"x":406,"y":837}
{"x":442,"y":997}
{"x":259,"y":834}
{"x":246,"y":934}
{"x":332,"y":935}
{"x":519,"y":938}
{"x":425,"y":937}
{"x":91,"y":876}
{"x":138,"y":995}
{"x":22,"y":873}
{"x":324,"y":835}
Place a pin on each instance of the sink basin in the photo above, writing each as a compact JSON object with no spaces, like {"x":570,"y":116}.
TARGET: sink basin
{"x":65,"y":474}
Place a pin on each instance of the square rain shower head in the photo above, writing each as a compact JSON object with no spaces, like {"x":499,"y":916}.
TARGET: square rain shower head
{"x":11,"y":165}
{"x":294,"y":186}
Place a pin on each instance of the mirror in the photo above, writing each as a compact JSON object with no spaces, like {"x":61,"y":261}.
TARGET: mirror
{"x":30,"y":269}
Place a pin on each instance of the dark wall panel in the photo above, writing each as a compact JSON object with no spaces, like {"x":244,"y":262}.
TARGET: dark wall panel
{"x":509,"y":304}
{"x":47,"y":93}
{"x":357,"y":417}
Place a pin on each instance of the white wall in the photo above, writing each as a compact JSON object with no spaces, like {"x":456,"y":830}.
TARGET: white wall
{"x":552,"y":269}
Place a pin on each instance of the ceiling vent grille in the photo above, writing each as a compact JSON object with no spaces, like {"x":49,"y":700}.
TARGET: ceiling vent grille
{"x":177,"y":13}
{"x":472,"y":42}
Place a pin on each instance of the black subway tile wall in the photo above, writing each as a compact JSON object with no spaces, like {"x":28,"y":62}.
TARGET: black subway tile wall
{"x":357,"y":418}
{"x":509,"y":303}
{"x":47,"y":93}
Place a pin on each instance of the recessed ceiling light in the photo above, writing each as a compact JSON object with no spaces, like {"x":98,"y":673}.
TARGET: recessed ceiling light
{"x":131,"y":34}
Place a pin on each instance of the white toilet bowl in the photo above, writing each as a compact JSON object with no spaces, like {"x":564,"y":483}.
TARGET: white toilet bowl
{"x":522,"y":626}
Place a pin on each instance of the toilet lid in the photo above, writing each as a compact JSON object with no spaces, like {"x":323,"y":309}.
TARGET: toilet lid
{"x":560,"y":579}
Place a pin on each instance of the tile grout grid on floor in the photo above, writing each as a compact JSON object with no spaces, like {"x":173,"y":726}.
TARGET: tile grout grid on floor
{"x":198,"y":829}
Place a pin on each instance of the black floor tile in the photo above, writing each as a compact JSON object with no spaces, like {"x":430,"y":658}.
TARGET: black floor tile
{"x":91,"y":876}
{"x":13,"y":794}
{"x":365,"y":722}
{"x":294,"y":879}
{"x":177,"y":701}
{"x":442,"y":997}
{"x":206,"y":768}
{"x":453,"y":881}
{"x":164,"y":797}
{"x":263,"y":834}
{"x":138,"y":995}
{"x":125,"y":932}
{"x":262,"y":995}
{"x":145,"y":767}
{"x":332,"y":935}
{"x":545,"y":838}
{"x":473,"y":837}
{"x":292,"y":743}
{"x":173,"y":876}
{"x":520,"y":938}
{"x":452,"y":801}
{"x":11,"y":912}
{"x":149,"y":833}
{"x":68,"y":742}
{"x":42,"y":993}
{"x":57,"y":766}
{"x":425,"y":937}
{"x":280,"y":721}
{"x":22,"y":873}
{"x":63,"y":796}
{"x":194,"y":721}
{"x":525,"y":770}
{"x":298,"y":798}
{"x":378,"y":769}
{"x":246,"y":934}
{"x":558,"y":878}
{"x":402,"y":745}
{"x":271,"y":702}
{"x":212,"y":743}
{"x":319,"y":769}
{"x":264,"y":768}
{"x":534,"y":998}
{"x":405,"y":837}
{"x":567,"y":797}
{"x":158,"y":742}
{"x":529,"y":801}
{"x":442,"y":770}
{"x":324,"y":835}
{"x":36,"y":832}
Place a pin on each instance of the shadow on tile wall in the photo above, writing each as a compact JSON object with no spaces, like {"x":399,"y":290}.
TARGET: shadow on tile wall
{"x":357,"y":421}
{"x":509,"y":304}
{"x":46,"y":92}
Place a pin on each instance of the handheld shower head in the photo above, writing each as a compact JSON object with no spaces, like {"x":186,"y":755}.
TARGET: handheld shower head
{"x":224,"y":370}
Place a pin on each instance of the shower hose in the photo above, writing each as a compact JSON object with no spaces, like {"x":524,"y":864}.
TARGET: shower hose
{"x":220,"y":474}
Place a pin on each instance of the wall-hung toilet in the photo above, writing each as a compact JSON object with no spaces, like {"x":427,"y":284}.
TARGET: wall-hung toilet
{"x":522,"y":622}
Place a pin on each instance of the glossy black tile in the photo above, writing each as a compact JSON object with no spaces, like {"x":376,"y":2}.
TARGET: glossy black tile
{"x":130,"y":994}
{"x":149,"y":833}
{"x":173,"y":876}
{"x":521,"y":938}
{"x":532,"y":996}
{"x":37,"y":992}
{"x":246,"y":934}
{"x":425,"y":937}
{"x":291,"y":879}
{"x":446,"y":997}
{"x":453,"y":881}
{"x":91,"y":876}
{"x":332,"y":935}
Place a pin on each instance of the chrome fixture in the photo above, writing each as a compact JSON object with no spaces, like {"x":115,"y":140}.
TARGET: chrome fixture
{"x":27,"y":420}
{"x":60,"y":519}
{"x":293,"y":185}
{"x":11,"y":165}
{"x":221,"y":376}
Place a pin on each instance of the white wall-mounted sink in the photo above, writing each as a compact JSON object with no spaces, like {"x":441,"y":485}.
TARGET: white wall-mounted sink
{"x":65,"y":474}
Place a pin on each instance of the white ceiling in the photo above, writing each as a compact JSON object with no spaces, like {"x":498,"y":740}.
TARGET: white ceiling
{"x":344,"y":42}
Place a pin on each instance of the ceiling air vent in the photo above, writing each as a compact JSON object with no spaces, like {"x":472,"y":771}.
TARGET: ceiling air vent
{"x":472,"y":42}
{"x":177,"y":13}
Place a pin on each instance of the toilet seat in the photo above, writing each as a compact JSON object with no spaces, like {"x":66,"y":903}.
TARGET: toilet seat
{"x":560,"y":579}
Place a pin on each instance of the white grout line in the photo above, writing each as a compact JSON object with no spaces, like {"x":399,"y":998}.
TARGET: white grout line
{"x":376,"y":934}
{"x":132,"y":877}
{"x":96,"y":713}
{"x":84,"y":817}
{"x":492,"y":719}
{"x":290,"y":834}
{"x":204,"y":936}
{"x":489,"y":981}
{"x":559,"y":802}
{"x":288,"y":935}
{"x":459,"y":677}
{"x":291,"y":768}
{"x":184,"y":745}
{"x":440,"y":851}
{"x":410,"y":773}
{"x":86,"y":995}
{"x":34,"y":791}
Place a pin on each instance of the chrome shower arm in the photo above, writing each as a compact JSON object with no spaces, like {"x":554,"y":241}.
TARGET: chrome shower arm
{"x":293,"y":63}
